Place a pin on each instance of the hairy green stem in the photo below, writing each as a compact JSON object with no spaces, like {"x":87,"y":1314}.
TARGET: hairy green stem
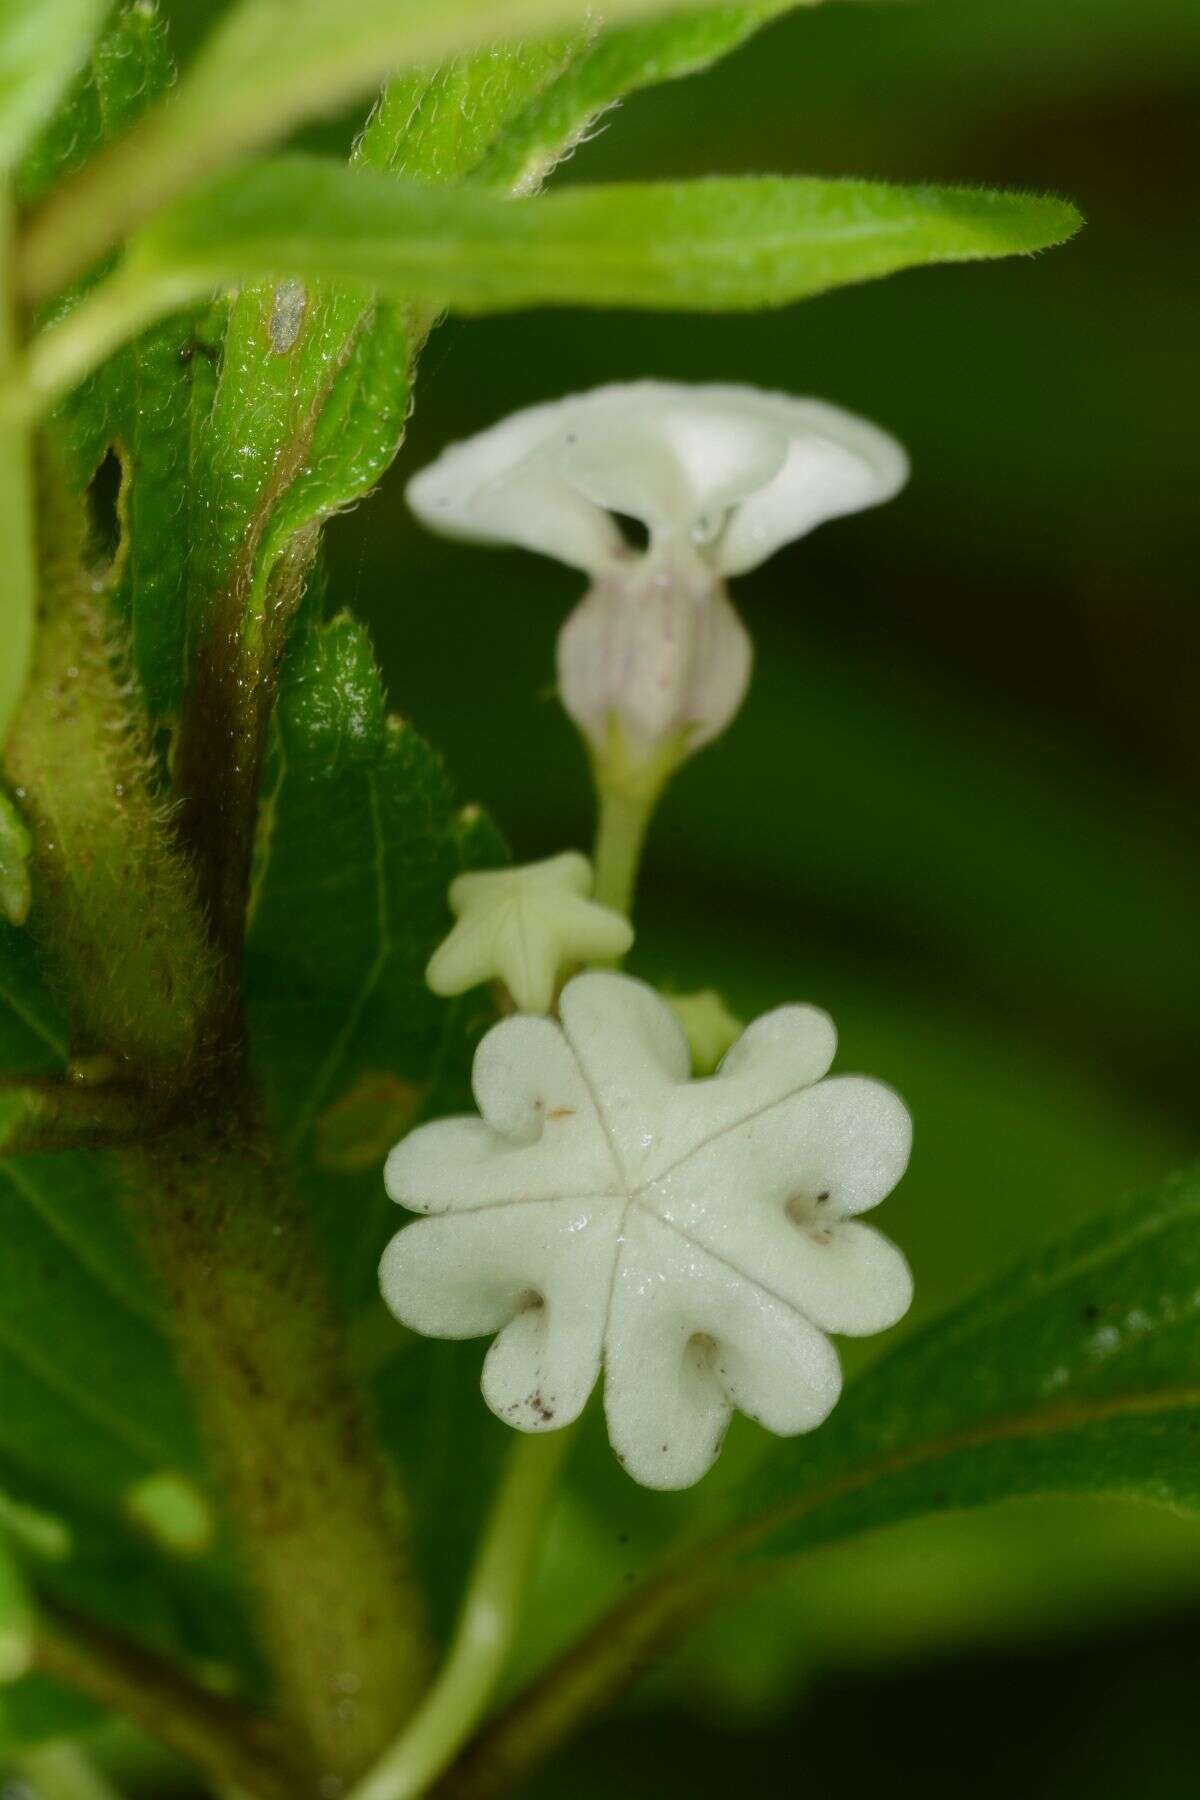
{"x":313,"y":1508}
{"x":18,"y":597}
{"x":316,"y":1512}
{"x":487,"y":1625}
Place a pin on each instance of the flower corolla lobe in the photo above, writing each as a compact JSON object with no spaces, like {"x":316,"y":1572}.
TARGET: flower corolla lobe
{"x":699,"y":1239}
{"x":719,"y":476}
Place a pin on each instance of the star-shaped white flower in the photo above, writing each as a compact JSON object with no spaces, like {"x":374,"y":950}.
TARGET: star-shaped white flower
{"x":699,"y":1238}
{"x":720,"y":476}
{"x":526,"y":927}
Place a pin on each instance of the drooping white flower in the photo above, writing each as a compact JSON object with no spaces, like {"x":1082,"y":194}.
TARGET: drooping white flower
{"x":720,"y":476}
{"x":526,"y":927}
{"x":698,"y":1238}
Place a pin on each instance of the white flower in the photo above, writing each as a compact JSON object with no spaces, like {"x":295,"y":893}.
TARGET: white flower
{"x":526,"y":927}
{"x":698,"y":1237}
{"x":721,"y":476}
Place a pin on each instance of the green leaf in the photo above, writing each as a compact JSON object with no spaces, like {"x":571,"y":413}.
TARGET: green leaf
{"x":1077,"y":1373}
{"x":313,"y":394}
{"x":88,"y":1400}
{"x":33,"y":1030}
{"x":705,"y":245}
{"x":42,"y":43}
{"x":444,"y":123}
{"x":313,"y":404}
{"x":15,"y":1618}
{"x":331,"y":51}
{"x":90,"y":1408}
{"x":251,"y":82}
{"x":715,"y":245}
{"x":1080,"y":1372}
{"x":35,"y":1710}
{"x":359,"y":840}
{"x":617,"y":62}
{"x":129,"y":67}
{"x":303,"y":416}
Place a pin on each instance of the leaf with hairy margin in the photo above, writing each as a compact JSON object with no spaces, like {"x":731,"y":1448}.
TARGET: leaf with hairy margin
{"x":615,"y":63}
{"x":724,"y":243}
{"x":251,"y":82}
{"x":124,"y":71}
{"x":1079,"y":1372}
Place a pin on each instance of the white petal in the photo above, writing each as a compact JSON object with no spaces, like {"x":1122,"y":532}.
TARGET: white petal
{"x":539,"y":1139}
{"x":779,"y":1054}
{"x":525,"y":1079}
{"x":721,"y":670}
{"x":631,"y":1049}
{"x":688,"y":1340}
{"x":673,"y":455}
{"x":670,"y":455}
{"x":537,"y":1274}
{"x":505,"y":486}
{"x":790,"y":1047}
{"x":841,"y":1275}
{"x":840,"y":1146}
{"x":836,"y":463}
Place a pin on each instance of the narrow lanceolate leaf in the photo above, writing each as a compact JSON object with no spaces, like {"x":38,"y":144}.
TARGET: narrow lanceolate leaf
{"x":253,"y":80}
{"x":714,"y":245}
{"x":703,"y":245}
{"x":42,"y":44}
{"x":1079,"y":1373}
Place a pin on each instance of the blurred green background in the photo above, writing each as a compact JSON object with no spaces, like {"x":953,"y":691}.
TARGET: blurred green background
{"x":958,"y":811}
